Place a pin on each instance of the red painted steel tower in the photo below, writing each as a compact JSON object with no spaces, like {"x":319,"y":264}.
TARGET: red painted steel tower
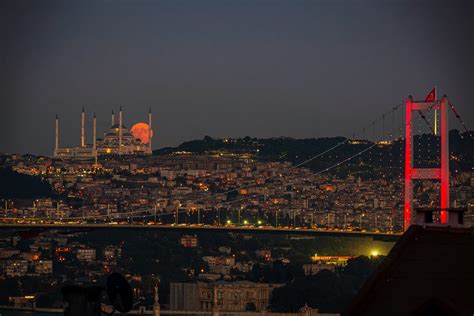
{"x":441,"y":173}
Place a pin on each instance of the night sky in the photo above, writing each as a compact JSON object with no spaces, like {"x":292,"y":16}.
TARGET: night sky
{"x":225,"y":68}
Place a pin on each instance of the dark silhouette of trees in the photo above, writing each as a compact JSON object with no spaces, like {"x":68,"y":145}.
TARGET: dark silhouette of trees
{"x":327,"y":291}
{"x":17,"y":185}
{"x":379,"y":160}
{"x":277,"y":272}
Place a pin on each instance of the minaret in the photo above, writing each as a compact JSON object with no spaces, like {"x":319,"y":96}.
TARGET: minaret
{"x":94,"y":135}
{"x":94,"y":144}
{"x":156,"y":303}
{"x":113,"y":118}
{"x":56,"y":143}
{"x":150,"y":131}
{"x":82,"y":128}
{"x":120,"y":131}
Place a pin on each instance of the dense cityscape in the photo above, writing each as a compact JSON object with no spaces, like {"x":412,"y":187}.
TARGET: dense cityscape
{"x":185,"y":188}
{"x":213,"y":187}
{"x":236,"y":158}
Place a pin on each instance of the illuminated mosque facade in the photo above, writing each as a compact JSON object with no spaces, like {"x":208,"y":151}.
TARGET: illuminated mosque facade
{"x":118,"y":140}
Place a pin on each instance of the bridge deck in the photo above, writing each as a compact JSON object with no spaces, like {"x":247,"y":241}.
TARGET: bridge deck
{"x":197,"y":228}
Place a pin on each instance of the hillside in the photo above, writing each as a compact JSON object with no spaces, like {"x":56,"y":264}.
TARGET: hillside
{"x":22,"y":186}
{"x":382,"y":158}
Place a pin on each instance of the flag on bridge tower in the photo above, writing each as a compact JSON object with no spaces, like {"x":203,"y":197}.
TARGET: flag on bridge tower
{"x":431,"y":96}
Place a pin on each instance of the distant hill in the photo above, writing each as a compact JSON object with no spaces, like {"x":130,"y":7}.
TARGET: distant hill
{"x":383,"y":158}
{"x":22,"y":186}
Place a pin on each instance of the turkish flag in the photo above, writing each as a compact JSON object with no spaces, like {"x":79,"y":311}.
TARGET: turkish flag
{"x":431,"y":96}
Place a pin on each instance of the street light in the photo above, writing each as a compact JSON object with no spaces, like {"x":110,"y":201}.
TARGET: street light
{"x":374,"y":253}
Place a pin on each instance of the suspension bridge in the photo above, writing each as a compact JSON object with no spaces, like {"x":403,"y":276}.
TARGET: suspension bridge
{"x":402,"y":118}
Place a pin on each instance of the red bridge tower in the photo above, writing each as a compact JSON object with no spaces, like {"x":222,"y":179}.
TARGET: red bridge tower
{"x":441,"y":173}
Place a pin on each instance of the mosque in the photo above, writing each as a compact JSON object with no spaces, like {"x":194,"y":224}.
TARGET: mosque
{"x":118,"y":140}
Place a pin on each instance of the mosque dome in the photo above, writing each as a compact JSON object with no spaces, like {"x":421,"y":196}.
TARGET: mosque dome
{"x":117,"y":126}
{"x":130,"y":142}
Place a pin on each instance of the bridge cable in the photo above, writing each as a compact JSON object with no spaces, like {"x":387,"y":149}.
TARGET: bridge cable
{"x":458,"y":117}
{"x":229,"y":202}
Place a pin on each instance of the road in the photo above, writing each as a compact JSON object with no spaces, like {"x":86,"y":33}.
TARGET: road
{"x":196,"y":228}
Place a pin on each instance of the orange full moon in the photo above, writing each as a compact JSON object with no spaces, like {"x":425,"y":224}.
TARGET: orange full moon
{"x":140,"y":131}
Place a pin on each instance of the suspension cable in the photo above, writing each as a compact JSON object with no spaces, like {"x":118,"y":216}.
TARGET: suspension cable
{"x":317,"y":173}
{"x":252,"y":183}
{"x":458,"y":117}
{"x":420,"y":113}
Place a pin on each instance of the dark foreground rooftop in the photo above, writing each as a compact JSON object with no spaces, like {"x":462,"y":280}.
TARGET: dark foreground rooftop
{"x":429,"y":271}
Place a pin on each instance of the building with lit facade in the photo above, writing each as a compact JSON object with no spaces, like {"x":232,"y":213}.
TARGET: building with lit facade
{"x":237,"y":296}
{"x":117,"y":140}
